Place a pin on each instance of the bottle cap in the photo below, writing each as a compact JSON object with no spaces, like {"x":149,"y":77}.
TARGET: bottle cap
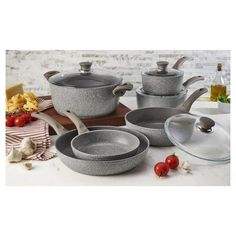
{"x":219,"y":66}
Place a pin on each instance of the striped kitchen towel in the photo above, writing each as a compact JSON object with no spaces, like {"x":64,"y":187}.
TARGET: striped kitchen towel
{"x":37,"y":131}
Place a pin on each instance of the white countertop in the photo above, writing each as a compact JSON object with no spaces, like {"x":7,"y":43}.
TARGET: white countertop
{"x":54,"y":172}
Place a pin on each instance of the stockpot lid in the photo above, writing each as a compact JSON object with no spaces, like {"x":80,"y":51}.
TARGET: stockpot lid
{"x":162,"y":70}
{"x":85,"y":78}
{"x":199,"y":136}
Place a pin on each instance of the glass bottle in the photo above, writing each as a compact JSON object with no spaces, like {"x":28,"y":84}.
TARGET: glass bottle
{"x":218,"y":86}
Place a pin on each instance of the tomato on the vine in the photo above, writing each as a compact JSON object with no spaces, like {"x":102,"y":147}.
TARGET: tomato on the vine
{"x":161,"y":169}
{"x":27,"y":117}
{"x":10,"y":121}
{"x":19,"y":121}
{"x":172,"y":161}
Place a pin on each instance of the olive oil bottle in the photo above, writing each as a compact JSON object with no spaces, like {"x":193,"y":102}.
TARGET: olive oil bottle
{"x":218,"y":84}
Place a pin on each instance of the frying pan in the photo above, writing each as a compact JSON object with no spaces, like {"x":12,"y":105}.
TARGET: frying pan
{"x":94,"y":167}
{"x":101,"y":144}
{"x":150,"y":121}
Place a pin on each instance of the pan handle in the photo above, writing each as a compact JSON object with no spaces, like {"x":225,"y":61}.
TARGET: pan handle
{"x":121,"y":89}
{"x":80,"y":126}
{"x":48,"y":74}
{"x":192,"y":80}
{"x":192,"y":98}
{"x":181,"y":61}
{"x":55,"y":125}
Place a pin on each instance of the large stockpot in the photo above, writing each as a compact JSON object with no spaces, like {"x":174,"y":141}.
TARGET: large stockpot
{"x":150,"y":121}
{"x":85,"y":93}
{"x":162,"y":80}
{"x":147,"y":100}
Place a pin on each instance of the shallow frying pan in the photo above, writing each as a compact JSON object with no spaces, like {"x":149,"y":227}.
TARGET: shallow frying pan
{"x":150,"y":121}
{"x":94,"y":167}
{"x":101,"y":144}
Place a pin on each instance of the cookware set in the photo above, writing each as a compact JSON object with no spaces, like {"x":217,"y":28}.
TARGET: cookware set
{"x":162,"y":119}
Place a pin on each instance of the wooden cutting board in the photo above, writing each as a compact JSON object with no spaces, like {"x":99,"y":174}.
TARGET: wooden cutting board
{"x":116,"y":118}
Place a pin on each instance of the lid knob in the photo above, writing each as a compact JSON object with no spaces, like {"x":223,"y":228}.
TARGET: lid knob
{"x":162,"y":67}
{"x":205,"y":124}
{"x":85,"y":67}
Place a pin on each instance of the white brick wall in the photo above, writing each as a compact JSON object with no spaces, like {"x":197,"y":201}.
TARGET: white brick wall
{"x":29,"y":66}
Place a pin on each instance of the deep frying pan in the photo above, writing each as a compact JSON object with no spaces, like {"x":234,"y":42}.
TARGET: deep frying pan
{"x":150,"y":121}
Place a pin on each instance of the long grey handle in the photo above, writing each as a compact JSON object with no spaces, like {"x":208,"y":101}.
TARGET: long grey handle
{"x":181,"y":61}
{"x":120,"y":90}
{"x":192,"y":80}
{"x":80,"y":126}
{"x":192,"y":98}
{"x":48,"y":74}
{"x":55,"y":125}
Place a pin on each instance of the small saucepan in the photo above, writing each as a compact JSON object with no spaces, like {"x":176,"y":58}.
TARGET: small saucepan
{"x":163,"y":80}
{"x":148,"y":100}
{"x":150,"y":121}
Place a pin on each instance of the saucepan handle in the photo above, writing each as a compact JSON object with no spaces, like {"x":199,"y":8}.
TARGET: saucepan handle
{"x":181,"y":61}
{"x":120,"y":90}
{"x":192,"y":98}
{"x":48,"y":74}
{"x":80,"y":126}
{"x":53,"y":123}
{"x":192,"y":80}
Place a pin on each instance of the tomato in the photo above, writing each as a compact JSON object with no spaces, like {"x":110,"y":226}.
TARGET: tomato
{"x":161,"y":169}
{"x":10,"y":121}
{"x":172,"y":161}
{"x":27,"y":117}
{"x":19,"y":121}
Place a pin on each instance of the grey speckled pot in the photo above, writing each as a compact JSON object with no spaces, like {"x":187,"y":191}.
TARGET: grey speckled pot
{"x":163,"y":81}
{"x":101,"y":167}
{"x":150,"y":121}
{"x":148,"y":100}
{"x":85,"y":93}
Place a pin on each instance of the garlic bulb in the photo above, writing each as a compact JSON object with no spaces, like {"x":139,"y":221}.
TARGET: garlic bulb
{"x":14,"y":155}
{"x":27,"y":147}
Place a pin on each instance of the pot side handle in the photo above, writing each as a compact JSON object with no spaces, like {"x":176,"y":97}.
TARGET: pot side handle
{"x":80,"y":126}
{"x":192,"y":80}
{"x":48,"y":74}
{"x":53,"y":123}
{"x":181,"y":61}
{"x":120,"y":90}
{"x":192,"y":98}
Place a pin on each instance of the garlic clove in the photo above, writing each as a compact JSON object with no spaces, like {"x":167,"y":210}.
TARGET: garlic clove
{"x":28,"y":165}
{"x":28,"y":147}
{"x":186,"y":166}
{"x":14,"y":155}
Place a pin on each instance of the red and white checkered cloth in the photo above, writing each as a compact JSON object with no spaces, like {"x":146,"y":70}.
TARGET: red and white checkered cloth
{"x":37,"y":131}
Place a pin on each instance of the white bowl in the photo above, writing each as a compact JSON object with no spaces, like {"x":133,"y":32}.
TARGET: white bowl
{"x":223,"y":107}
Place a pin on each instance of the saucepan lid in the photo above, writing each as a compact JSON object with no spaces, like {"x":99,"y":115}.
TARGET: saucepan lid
{"x":200,"y":136}
{"x":162,"y":70}
{"x":84,"y":78}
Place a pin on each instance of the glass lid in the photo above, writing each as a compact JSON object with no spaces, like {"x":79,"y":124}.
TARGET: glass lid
{"x":163,"y":70}
{"x":85,"y":78}
{"x":199,"y":136}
